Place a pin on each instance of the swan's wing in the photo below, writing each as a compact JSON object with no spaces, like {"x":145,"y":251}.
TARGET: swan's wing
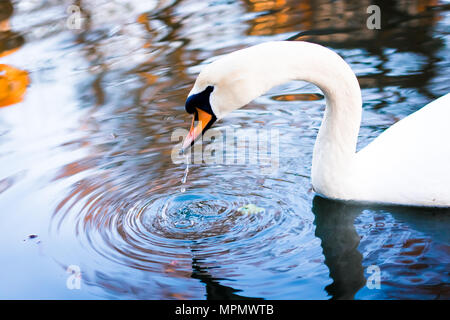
{"x":409,"y":163}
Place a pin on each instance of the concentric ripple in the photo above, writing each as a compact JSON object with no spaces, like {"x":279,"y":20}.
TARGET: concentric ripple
{"x":166,"y":229}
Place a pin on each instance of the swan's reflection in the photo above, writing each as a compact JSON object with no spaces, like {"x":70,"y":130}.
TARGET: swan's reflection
{"x":335,"y":226}
{"x":214,"y":290}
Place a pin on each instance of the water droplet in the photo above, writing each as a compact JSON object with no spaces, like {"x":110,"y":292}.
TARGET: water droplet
{"x":186,"y":172}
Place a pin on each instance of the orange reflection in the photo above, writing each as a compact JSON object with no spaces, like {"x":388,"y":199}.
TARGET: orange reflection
{"x":13,"y":81}
{"x":336,"y":21}
{"x":278,"y":21}
{"x":13,"y":84}
{"x":298,"y":97}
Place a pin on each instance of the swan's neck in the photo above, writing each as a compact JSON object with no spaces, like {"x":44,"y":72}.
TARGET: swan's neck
{"x":335,"y":148}
{"x":333,"y":166}
{"x":334,"y":152}
{"x":333,"y":163}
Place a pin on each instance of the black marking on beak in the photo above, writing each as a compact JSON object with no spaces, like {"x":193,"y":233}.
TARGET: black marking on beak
{"x":200,"y":100}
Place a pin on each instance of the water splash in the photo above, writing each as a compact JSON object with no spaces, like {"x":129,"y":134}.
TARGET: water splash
{"x":186,"y":172}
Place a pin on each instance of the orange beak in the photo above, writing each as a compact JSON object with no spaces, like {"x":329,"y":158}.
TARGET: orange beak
{"x":204,"y":121}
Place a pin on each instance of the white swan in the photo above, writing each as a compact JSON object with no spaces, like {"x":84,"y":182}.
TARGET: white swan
{"x":408,"y":164}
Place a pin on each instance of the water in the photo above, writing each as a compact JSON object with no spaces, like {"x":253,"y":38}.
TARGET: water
{"x":87,"y":180}
{"x":186,"y":172}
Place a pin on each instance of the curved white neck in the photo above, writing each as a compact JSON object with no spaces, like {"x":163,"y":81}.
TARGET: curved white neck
{"x":335,"y":148}
{"x":270,"y":64}
{"x":333,"y":163}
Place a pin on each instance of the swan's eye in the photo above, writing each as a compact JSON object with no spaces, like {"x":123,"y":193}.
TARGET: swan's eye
{"x":200,"y":100}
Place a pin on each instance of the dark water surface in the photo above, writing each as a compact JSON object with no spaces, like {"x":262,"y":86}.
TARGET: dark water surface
{"x":87,"y":180}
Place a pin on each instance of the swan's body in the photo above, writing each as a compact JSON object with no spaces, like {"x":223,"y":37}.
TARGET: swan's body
{"x":408,"y":164}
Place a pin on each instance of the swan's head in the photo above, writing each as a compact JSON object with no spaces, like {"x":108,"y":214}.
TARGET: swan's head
{"x":224,"y":85}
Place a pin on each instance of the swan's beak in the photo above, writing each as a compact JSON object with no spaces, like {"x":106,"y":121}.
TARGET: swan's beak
{"x":204,"y":121}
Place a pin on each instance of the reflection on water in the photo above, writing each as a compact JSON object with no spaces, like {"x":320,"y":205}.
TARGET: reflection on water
{"x":85,"y":154}
{"x":13,"y":82}
{"x":335,"y":228}
{"x":355,"y":237}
